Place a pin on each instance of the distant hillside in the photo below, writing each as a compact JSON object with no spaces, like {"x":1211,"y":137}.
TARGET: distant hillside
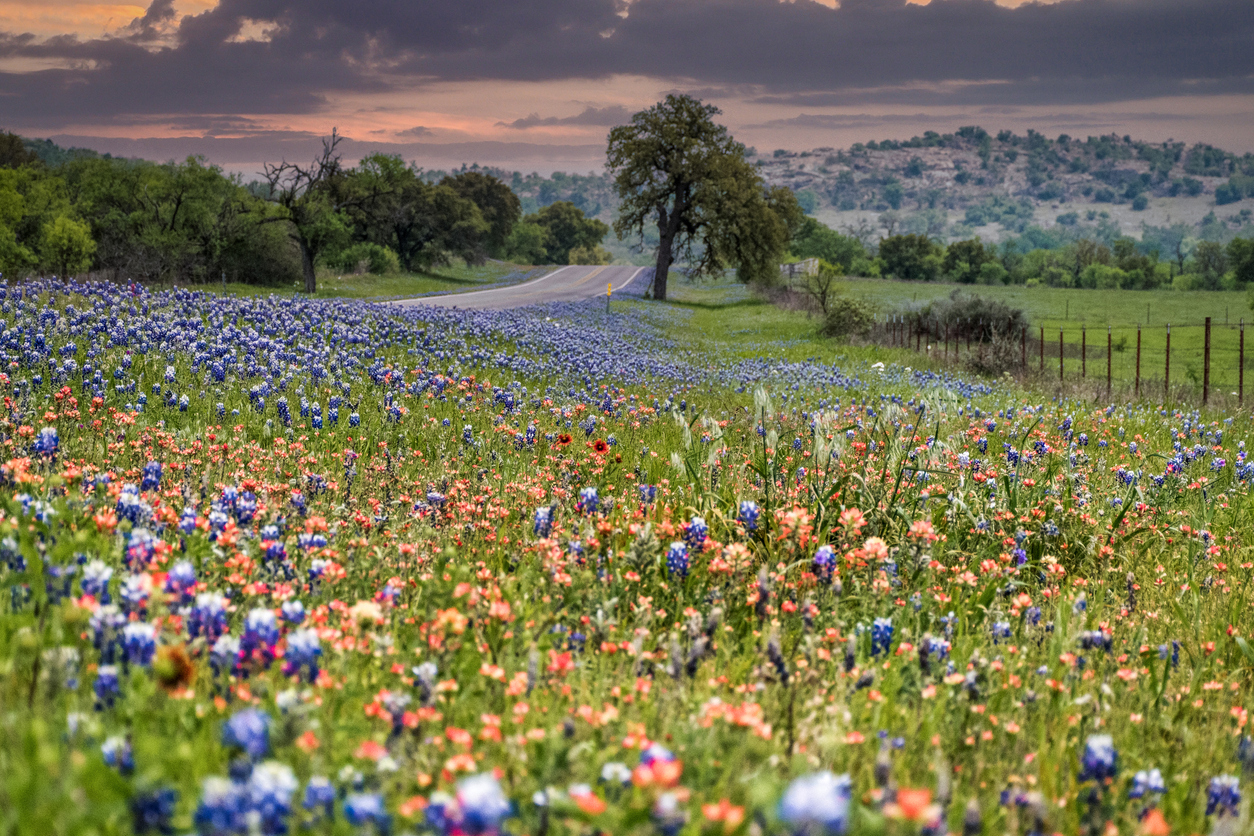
{"x":973,"y":182}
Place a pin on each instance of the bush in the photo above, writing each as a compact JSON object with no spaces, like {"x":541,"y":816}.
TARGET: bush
{"x":995,"y":358}
{"x":848,"y":317}
{"x":365,"y":257}
{"x":961,"y":314}
{"x":1140,"y":203}
{"x":590,"y":255}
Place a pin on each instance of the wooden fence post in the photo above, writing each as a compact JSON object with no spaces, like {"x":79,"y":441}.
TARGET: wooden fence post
{"x":1084,"y":352}
{"x":1060,"y":355}
{"x":1042,"y":350}
{"x":1206,"y":365}
{"x":1109,"y":343}
{"x":1241,"y":367}
{"x":1023,"y":349}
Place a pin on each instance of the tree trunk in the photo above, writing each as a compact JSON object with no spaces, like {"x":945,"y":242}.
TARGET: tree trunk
{"x":307,"y":265}
{"x":663,"y":265}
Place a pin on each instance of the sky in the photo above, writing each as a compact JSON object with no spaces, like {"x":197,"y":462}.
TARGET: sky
{"x":535,"y":85}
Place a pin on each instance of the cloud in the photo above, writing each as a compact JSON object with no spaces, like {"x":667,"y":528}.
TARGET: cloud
{"x":801,"y":54}
{"x":591,"y":116}
{"x":414,"y":132}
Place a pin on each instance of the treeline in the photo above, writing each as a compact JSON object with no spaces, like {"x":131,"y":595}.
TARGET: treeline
{"x":72,"y":212}
{"x":1163,"y":258}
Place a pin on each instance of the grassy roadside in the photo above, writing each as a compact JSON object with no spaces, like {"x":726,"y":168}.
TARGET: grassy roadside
{"x":449,"y":279}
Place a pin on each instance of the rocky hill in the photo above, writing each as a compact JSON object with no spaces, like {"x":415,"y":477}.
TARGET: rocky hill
{"x":974,"y":182}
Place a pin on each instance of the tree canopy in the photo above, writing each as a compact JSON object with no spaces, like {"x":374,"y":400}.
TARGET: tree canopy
{"x":675,"y":168}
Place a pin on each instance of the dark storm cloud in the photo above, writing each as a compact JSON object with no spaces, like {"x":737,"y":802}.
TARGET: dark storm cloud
{"x":798,"y":53}
{"x":592,"y":116}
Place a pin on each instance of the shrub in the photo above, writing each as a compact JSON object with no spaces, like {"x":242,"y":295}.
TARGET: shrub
{"x":848,"y":317}
{"x":1140,"y":203}
{"x":595,"y":254}
{"x":995,"y":358}
{"x":365,"y":257}
{"x":962,"y":314}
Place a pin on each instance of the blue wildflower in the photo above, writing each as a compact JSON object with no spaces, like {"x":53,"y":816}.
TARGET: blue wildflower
{"x":1100,"y":760}
{"x":817,"y":804}
{"x":249,"y":730}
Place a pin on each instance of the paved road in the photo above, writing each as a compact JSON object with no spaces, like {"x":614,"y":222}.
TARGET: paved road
{"x":565,"y":284}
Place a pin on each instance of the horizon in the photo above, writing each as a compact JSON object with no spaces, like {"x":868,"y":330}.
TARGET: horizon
{"x":536,"y":88}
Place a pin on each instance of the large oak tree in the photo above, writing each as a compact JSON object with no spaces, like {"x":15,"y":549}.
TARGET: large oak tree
{"x":674,"y":166}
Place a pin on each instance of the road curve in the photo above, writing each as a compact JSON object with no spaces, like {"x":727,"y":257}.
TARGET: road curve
{"x":565,"y":284}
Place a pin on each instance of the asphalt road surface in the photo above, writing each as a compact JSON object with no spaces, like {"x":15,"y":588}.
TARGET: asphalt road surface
{"x":565,"y":284}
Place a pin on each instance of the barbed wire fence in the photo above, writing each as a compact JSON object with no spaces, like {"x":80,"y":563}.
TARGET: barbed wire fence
{"x":1175,"y":363}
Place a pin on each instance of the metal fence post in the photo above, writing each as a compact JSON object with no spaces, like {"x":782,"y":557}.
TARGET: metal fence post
{"x":1241,"y":367}
{"x":1167,"y":370}
{"x":1206,"y":364}
{"x":1138,"y":361}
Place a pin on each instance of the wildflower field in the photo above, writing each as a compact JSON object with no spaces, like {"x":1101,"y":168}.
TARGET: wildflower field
{"x":275,"y":565}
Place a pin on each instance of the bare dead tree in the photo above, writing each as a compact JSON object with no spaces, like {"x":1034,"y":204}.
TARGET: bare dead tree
{"x":305,"y":196}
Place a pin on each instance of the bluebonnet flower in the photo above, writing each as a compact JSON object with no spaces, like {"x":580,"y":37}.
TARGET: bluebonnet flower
{"x":141,"y":549}
{"x":261,"y":632}
{"x":668,"y":816}
{"x":139,"y":640}
{"x":151,"y":477}
{"x":747,"y":514}
{"x":588,"y":500}
{"x":58,"y":581}
{"x":817,"y":804}
{"x":543,"y":524}
{"x":303,"y":650}
{"x":293,"y":611}
{"x":656,"y":753}
{"x":151,"y":812}
{"x":245,"y":507}
{"x":249,"y":730}
{"x":1096,"y":640}
{"x":106,"y":687}
{"x":1223,"y":795}
{"x":1100,"y":760}
{"x":106,"y":625}
{"x":223,"y":808}
{"x":1150,"y":781}
{"x":824,"y":563}
{"x":181,"y":580}
{"x":367,"y":808}
{"x":353,"y":418}
{"x":1001,"y":630}
{"x":187,"y":521}
{"x":47,"y":442}
{"x":271,"y":787}
{"x":881,"y":636}
{"x":696,"y":533}
{"x":117,"y":753}
{"x":208,"y":616}
{"x":319,"y":793}
{"x":134,"y":595}
{"x":482,"y":806}
{"x":677,"y":559}
{"x":647,"y":493}
{"x":131,"y":507}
